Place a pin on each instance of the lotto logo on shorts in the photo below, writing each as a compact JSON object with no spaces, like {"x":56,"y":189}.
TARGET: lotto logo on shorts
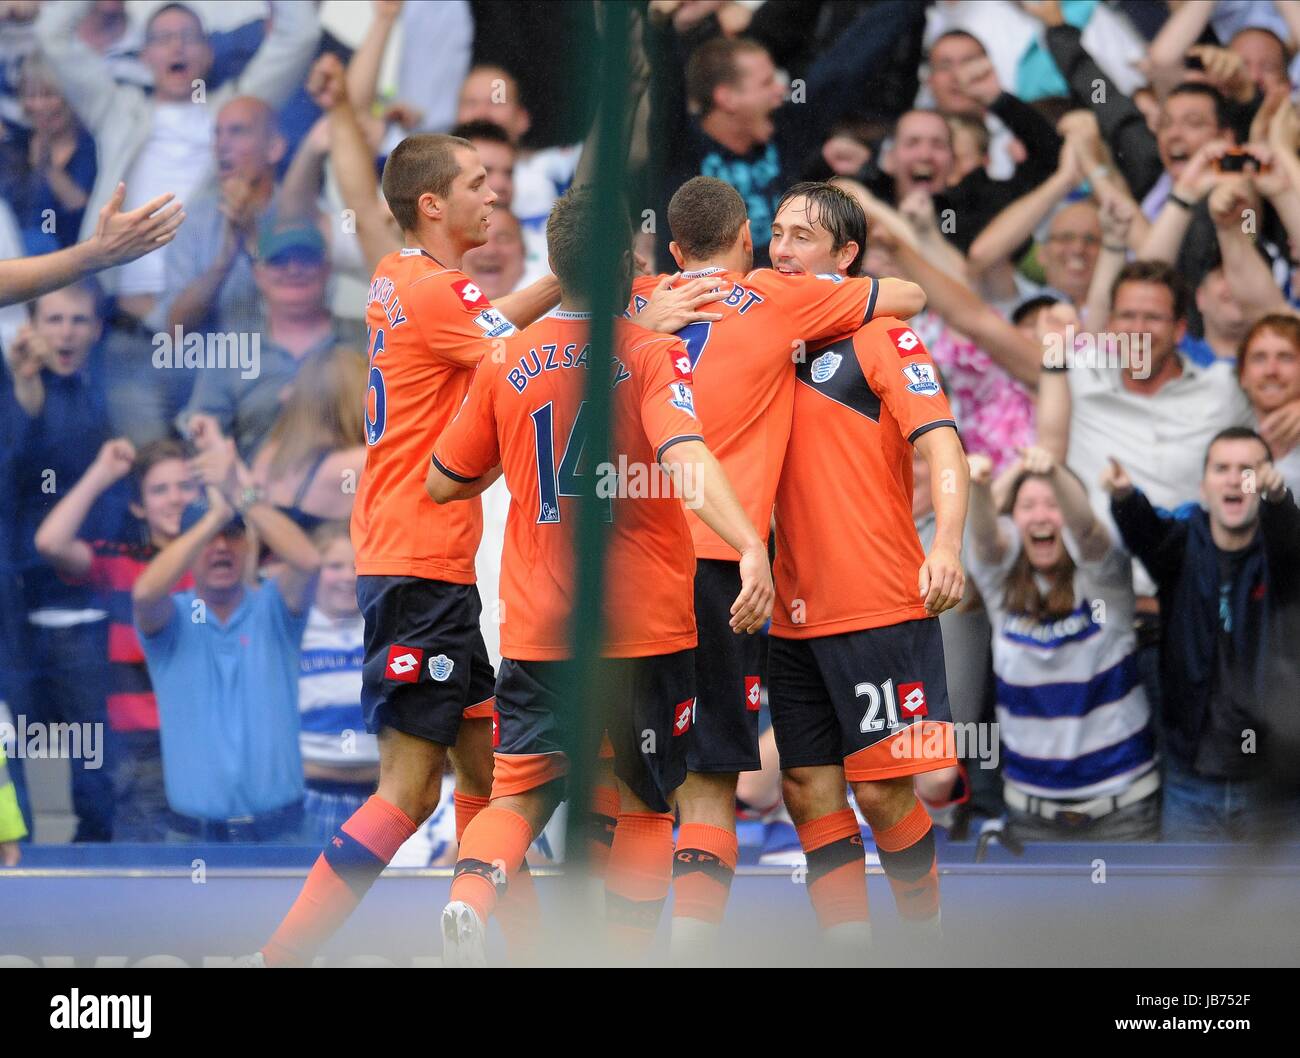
{"x":496,"y":729}
{"x":683,"y":716}
{"x":470,"y":295}
{"x":911,"y":699}
{"x":753,"y":693}
{"x":403,"y":663}
{"x":905,"y":340}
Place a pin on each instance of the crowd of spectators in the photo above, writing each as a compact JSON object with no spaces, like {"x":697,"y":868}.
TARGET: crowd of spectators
{"x":1100,"y":200}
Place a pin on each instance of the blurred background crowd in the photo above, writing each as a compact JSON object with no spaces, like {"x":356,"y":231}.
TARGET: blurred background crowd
{"x":1115,"y":181}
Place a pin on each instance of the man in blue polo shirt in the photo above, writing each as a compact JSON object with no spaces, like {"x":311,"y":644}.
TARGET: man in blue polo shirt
{"x":224,"y":658}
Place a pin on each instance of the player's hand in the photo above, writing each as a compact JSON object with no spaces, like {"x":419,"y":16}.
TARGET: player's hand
{"x":114,"y":461}
{"x":327,"y":82}
{"x":1035,"y":459}
{"x":670,"y":308}
{"x":121,"y":237}
{"x":942,"y":580}
{"x":753,"y":606}
{"x":1269,"y":483}
{"x":10,"y":853}
{"x":981,"y":469}
{"x":1115,"y":480}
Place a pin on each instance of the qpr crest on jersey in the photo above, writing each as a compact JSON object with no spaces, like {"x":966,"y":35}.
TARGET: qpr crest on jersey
{"x":920,"y":379}
{"x":440,"y":668}
{"x":825,"y":366}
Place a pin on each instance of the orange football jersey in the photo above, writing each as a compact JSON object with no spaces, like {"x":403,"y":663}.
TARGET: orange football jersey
{"x":743,"y":370}
{"x":847,"y":554}
{"x":428,"y":327}
{"x":527,"y":414}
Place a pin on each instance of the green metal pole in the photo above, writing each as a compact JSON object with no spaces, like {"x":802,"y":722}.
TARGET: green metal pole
{"x":607,"y":80}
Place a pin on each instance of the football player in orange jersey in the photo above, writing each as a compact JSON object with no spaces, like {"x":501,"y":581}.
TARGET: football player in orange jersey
{"x":858,"y":687}
{"x":427,"y":682}
{"x":524,"y":412}
{"x":744,"y":373}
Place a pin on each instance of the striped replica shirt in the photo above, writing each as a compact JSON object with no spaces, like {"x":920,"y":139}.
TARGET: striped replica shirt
{"x":1074,"y":720}
{"x":329,"y":693}
{"x":115,"y":568}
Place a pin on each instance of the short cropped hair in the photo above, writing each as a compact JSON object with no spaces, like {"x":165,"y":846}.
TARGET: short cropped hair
{"x":572,"y":228}
{"x":419,"y":165}
{"x":705,"y":215}
{"x":488,"y":131}
{"x":1235,"y":433}
{"x":1195,"y":88}
{"x":712,"y":64}
{"x":153,"y":453}
{"x":1154,"y":272}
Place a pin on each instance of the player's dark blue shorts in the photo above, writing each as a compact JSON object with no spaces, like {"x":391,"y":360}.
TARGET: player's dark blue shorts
{"x":426,"y":666}
{"x":874,"y":700}
{"x":649,"y":707}
{"x":724,"y":737}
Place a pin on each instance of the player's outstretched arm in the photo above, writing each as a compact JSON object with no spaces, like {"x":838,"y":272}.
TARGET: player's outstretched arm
{"x":525,"y":307}
{"x":899,"y":297}
{"x":119,"y":238}
{"x":445,"y":489}
{"x":942,"y":580}
{"x":705,"y":489}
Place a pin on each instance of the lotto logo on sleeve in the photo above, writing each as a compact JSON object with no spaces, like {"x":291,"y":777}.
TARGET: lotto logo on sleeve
{"x":911,"y":699}
{"x":471,"y":297}
{"x":682,"y":366}
{"x":905,"y":341}
{"x":753,"y":693}
{"x":683,"y":716}
{"x":403,"y":664}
